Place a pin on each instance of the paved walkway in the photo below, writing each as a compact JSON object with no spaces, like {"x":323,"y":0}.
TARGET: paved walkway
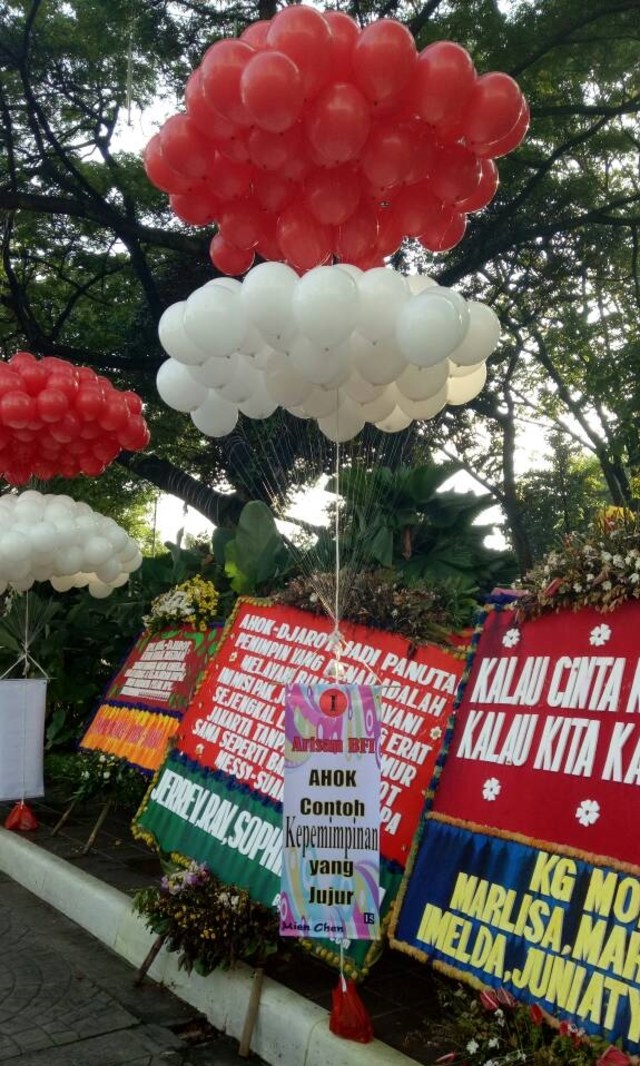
{"x":67,"y":1001}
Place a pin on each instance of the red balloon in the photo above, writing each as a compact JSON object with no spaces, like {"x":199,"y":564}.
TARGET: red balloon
{"x":220,"y":71}
{"x":337,"y":123}
{"x":159,"y":172}
{"x":384,"y":59}
{"x":197,"y":208}
{"x":133,"y":402}
{"x":268,"y":247}
{"x":115,"y":412}
{"x":442,"y":82}
{"x":237,"y":146}
{"x":512,"y":139}
{"x":135,"y":435}
{"x":413,"y":207}
{"x":66,"y":430}
{"x":256,"y":34}
{"x":357,"y":237}
{"x":272,"y":90}
{"x":492,"y":110}
{"x":303,"y":34}
{"x":105,"y":449}
{"x":241,"y":222}
{"x":209,"y":121}
{"x":185,"y":148}
{"x":17,"y":409}
{"x":386,"y":156}
{"x":52,"y":404}
{"x":33,"y":375}
{"x":228,"y":259}
{"x":87,"y":376}
{"x":333,"y":195}
{"x":89,"y":403}
{"x":229,"y":178}
{"x":270,"y":151}
{"x":456,"y":173}
{"x":10,"y":379}
{"x":390,"y":232}
{"x":90,"y":431}
{"x":485,"y":191}
{"x":90,"y":466}
{"x":273,"y":192}
{"x":304,"y":243}
{"x":445,"y":230}
{"x":344,"y":35}
{"x":44,"y":470}
{"x":297,"y":167}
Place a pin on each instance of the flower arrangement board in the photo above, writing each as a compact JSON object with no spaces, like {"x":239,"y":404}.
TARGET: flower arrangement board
{"x":525,"y":874}
{"x":143,"y":704}
{"x":217,"y":798}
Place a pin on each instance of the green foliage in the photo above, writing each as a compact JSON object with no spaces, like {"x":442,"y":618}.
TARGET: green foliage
{"x":254,"y":556}
{"x":401,"y":520}
{"x":210,"y":924}
{"x":89,"y":775}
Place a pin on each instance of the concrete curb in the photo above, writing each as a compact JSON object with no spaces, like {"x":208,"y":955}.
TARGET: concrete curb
{"x":289,"y":1028}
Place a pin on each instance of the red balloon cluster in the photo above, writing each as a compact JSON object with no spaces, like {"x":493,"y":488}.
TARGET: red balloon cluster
{"x":309,"y":139}
{"x":59,"y":420}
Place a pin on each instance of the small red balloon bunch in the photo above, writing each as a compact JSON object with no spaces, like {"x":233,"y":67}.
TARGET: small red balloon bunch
{"x":310,"y":139}
{"x":57,"y":419}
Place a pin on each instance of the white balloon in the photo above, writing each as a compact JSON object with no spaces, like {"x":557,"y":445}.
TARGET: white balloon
{"x":231,"y":284}
{"x":461,"y":390}
{"x":378,"y":362}
{"x":177,"y":387}
{"x":215,"y":372}
{"x":394,"y":422}
{"x":215,"y":417}
{"x":481,"y":338}
{"x":28,"y":511}
{"x":14,"y":548}
{"x":417,"y":283}
{"x":317,"y":365}
{"x":430,"y":326}
{"x":62,"y":584}
{"x":86,"y":525}
{"x":215,"y":320}
{"x":382,"y":294}
{"x":354,"y":271}
{"x":67,"y":560}
{"x":131,"y":564}
{"x":381,"y":407}
{"x":418,"y":383}
{"x":99,"y":590}
{"x":260,"y":404}
{"x":119,"y":581}
{"x":23,"y":584}
{"x":96,"y":551}
{"x":44,"y":537}
{"x":421,"y":410}
{"x":321,"y":402}
{"x":81,"y":579}
{"x":114,"y":533}
{"x":360,"y":390}
{"x":267,"y":292}
{"x":174,"y":339}
{"x":108,"y":571}
{"x":456,"y":371}
{"x":284,"y":383}
{"x":252,"y":342}
{"x":344,"y":423}
{"x":243,"y":383}
{"x":326,"y":306}
{"x":67,"y":531}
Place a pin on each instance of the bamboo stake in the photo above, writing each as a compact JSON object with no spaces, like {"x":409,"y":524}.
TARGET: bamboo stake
{"x":96,"y":829}
{"x":59,"y":824}
{"x":149,"y":959}
{"x":252,"y":1012}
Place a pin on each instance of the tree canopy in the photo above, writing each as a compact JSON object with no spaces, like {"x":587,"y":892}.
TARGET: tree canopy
{"x":91,"y":255}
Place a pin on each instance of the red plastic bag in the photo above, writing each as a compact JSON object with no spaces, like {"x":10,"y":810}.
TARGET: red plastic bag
{"x":349,"y":1018}
{"x":21,"y":818}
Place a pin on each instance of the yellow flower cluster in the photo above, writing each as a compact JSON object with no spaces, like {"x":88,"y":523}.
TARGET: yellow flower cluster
{"x":192,"y":603}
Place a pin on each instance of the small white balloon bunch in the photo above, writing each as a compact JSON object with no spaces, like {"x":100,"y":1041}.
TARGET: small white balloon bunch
{"x":54,"y":538}
{"x":342,"y":345}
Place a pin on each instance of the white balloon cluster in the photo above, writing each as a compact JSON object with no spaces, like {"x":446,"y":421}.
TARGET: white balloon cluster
{"x":53,"y":538}
{"x":339,"y":344}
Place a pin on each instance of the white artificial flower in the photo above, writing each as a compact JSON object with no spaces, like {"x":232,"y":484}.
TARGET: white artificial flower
{"x":600,"y":634}
{"x":577,"y":587}
{"x":606,"y":557}
{"x":618,"y":560}
{"x":435,"y":733}
{"x":491,"y":789}
{"x":511,"y":637}
{"x":472,"y":1047}
{"x":634,"y":577}
{"x":493,"y":1042}
{"x":607,"y":586}
{"x":588,"y":812}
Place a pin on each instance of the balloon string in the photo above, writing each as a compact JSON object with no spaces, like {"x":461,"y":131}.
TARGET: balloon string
{"x":337,"y":636}
{"x":343,"y":983}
